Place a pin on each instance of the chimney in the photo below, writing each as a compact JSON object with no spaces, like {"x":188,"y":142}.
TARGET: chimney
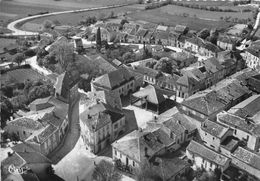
{"x":179,"y":122}
{"x":10,"y":154}
{"x":140,"y":130}
{"x":89,"y":117}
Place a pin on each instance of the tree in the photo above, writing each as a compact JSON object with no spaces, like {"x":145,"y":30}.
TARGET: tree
{"x":30,"y":53}
{"x":6,"y":111}
{"x":147,"y":173}
{"x":164,"y":65}
{"x":41,"y":91}
{"x":112,"y":14}
{"x":47,"y":24}
{"x":106,"y":171}
{"x":18,"y":58}
{"x":64,"y":54}
{"x":98,"y":39}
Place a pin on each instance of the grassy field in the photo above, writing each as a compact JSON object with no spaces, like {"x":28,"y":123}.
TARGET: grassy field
{"x":161,"y":16}
{"x":75,"y":18}
{"x":5,"y":42}
{"x":203,"y":14}
{"x":15,"y":9}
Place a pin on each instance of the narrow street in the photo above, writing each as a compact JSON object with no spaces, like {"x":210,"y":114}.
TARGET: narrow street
{"x":70,"y":138}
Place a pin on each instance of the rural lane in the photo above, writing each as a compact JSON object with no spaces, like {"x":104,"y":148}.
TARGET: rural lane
{"x":15,"y":31}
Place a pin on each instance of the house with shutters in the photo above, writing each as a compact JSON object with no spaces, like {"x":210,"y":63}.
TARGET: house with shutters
{"x":206,"y":158}
{"x":252,"y":55}
{"x":101,"y":124}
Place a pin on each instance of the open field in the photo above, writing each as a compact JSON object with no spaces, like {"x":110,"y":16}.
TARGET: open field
{"x":4,"y":42}
{"x":159,"y":16}
{"x":75,"y":18}
{"x":203,"y":14}
{"x":15,"y":9}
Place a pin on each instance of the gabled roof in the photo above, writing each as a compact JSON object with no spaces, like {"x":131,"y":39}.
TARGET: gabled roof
{"x":247,"y":157}
{"x":207,"y":153}
{"x":248,"y":108}
{"x":239,"y":123}
{"x":113,"y":79}
{"x":212,"y":65}
{"x":196,"y":41}
{"x":99,"y":114}
{"x":41,"y":101}
{"x":27,"y":123}
{"x":135,"y":143}
{"x":151,"y":94}
{"x":141,"y":32}
{"x":205,"y":103}
{"x":180,"y":28}
{"x":214,"y":129}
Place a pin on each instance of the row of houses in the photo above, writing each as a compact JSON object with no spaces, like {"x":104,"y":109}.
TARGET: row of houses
{"x":197,"y":77}
{"x":217,"y":139}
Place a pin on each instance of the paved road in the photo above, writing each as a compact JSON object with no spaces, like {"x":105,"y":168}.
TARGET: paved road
{"x":12,"y":26}
{"x":71,"y":137}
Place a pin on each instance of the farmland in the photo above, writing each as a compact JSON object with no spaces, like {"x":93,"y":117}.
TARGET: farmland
{"x":21,"y":75}
{"x":15,"y":9}
{"x":5,"y":42}
{"x":75,"y":18}
{"x":160,"y":16}
{"x":203,"y":14}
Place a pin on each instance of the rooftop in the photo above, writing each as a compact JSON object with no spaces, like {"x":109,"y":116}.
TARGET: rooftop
{"x":207,"y":153}
{"x":247,"y":157}
{"x":151,"y":94}
{"x":113,"y":79}
{"x":26,"y":123}
{"x":239,"y":123}
{"x":213,"y":128}
{"x":249,"y":108}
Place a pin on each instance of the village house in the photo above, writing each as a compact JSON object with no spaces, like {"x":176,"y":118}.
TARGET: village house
{"x":119,"y":82}
{"x":254,"y":83}
{"x":204,"y":157}
{"x":208,"y":103}
{"x":89,"y":98}
{"x":178,"y":126}
{"x":247,"y":161}
{"x":252,"y":55}
{"x":157,"y":78}
{"x":23,"y":127}
{"x":140,"y":34}
{"x":208,"y":49}
{"x":226,"y":42}
{"x":202,"y":47}
{"x":132,"y":150}
{"x":213,"y":134}
{"x":113,"y":26}
{"x":100,"y":125}
{"x":243,"y":118}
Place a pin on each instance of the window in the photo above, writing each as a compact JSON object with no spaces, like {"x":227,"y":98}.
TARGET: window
{"x":133,"y":163}
{"x":115,"y":126}
{"x":210,"y":164}
{"x":23,"y":132}
{"x":115,"y":152}
{"x":213,"y":138}
{"x":120,"y":155}
{"x":235,"y":131}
